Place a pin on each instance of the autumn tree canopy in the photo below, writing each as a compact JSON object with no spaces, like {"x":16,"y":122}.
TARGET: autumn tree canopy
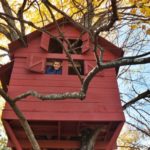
{"x":123,"y":22}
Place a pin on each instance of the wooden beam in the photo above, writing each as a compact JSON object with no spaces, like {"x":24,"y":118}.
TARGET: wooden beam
{"x":12,"y":136}
{"x":112,"y":142}
{"x":59,"y":129}
{"x":107,"y":131}
{"x":63,"y":144}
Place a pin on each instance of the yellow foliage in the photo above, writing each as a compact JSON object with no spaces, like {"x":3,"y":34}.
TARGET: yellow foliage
{"x":133,"y":27}
{"x":40,"y":15}
{"x":133,"y":11}
{"x":148,"y":31}
{"x":142,"y":8}
{"x":146,"y":11}
{"x":127,"y":139}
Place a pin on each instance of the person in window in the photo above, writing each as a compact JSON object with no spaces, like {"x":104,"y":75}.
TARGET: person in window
{"x":55,"y":69}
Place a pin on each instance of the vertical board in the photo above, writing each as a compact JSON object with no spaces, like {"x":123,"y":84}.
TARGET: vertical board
{"x":86,"y":42}
{"x":45,"y":39}
{"x":36,"y":64}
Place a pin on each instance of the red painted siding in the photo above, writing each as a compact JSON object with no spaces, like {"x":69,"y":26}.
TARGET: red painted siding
{"x":102,"y":101}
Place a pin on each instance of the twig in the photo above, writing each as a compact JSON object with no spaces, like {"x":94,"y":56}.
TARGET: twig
{"x":139,"y":97}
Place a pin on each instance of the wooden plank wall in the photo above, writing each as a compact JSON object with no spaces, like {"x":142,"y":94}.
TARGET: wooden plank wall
{"x":102,"y":102}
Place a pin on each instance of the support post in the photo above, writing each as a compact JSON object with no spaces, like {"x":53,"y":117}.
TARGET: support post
{"x":12,"y":135}
{"x":112,"y":142}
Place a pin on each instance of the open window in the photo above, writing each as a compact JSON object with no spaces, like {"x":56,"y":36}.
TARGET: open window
{"x":53,"y":67}
{"x":79,"y":65}
{"x":55,"y":46}
{"x":76,"y":46}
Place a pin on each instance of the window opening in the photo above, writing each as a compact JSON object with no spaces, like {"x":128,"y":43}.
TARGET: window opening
{"x":79,"y":65}
{"x":55,"y":46}
{"x":53,"y":67}
{"x":76,"y":46}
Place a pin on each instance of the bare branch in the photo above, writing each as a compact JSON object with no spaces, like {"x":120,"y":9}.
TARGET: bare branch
{"x":9,"y":21}
{"x":112,"y":20}
{"x":3,"y":49}
{"x":139,"y":97}
{"x":22,"y":120}
{"x":20,"y":16}
{"x":5,"y":32}
{"x":58,"y":96}
{"x":3,"y":55}
{"x":125,"y":62}
{"x":140,"y":129}
{"x":46,"y":2}
{"x":88,"y":16}
{"x":112,"y":64}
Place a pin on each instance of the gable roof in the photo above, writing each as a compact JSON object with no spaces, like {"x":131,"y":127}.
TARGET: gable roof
{"x":104,"y":43}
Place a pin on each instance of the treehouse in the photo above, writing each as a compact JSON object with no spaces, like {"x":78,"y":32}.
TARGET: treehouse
{"x":61,"y":124}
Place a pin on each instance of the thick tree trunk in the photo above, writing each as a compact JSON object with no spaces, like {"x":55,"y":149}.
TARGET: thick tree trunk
{"x":88,"y":138}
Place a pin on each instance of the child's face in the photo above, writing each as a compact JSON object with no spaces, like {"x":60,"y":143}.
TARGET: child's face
{"x":57,"y":65}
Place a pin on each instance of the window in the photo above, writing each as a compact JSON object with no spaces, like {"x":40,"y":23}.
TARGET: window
{"x":76,"y":46}
{"x":53,"y":67}
{"x":79,"y":65}
{"x":55,"y":46}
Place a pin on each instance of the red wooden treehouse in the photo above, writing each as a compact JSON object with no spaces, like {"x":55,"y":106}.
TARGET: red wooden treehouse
{"x":59,"y":124}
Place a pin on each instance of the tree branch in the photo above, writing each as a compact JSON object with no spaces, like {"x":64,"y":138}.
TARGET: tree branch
{"x":58,"y":96}
{"x":88,"y":138}
{"x":125,"y":62}
{"x":9,"y":21}
{"x":22,"y":120}
{"x":139,"y":97}
{"x":3,"y":55}
{"x":4,"y":49}
{"x":20,"y":16}
{"x":113,"y":19}
{"x":142,"y":130}
{"x":46,"y":2}
{"x":5,"y":32}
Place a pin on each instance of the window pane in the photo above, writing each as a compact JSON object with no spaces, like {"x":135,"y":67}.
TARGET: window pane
{"x":79,"y":65}
{"x":55,"y":46}
{"x":76,"y":46}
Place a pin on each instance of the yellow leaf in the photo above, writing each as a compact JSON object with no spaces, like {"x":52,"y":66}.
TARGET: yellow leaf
{"x":134,"y":26}
{"x":133,"y":11}
{"x":148,"y":32}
